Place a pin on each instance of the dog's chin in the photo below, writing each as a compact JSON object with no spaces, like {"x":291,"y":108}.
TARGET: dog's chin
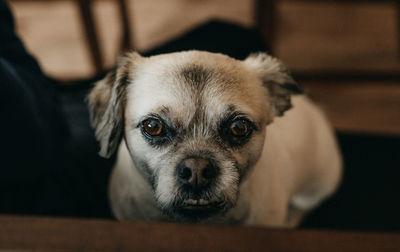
{"x":195,"y":210}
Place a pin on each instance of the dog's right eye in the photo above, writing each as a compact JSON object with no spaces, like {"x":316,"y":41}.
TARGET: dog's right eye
{"x":156,"y":132}
{"x":152,"y":127}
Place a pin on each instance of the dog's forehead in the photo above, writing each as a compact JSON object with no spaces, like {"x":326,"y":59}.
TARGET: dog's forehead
{"x":185,"y":83}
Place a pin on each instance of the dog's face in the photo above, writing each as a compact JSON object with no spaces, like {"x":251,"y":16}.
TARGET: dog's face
{"x":194,"y":123}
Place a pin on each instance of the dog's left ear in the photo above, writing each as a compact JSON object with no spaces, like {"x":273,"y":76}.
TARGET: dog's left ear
{"x":107,"y":103}
{"x":276,"y":78}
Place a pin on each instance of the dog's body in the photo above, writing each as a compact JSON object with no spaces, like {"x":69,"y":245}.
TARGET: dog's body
{"x":222,"y":154}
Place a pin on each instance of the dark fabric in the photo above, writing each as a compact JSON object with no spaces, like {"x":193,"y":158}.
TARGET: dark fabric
{"x":79,"y":185}
{"x":216,"y":36}
{"x":33,"y":130}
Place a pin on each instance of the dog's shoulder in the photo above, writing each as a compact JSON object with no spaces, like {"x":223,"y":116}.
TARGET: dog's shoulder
{"x":299,"y":166}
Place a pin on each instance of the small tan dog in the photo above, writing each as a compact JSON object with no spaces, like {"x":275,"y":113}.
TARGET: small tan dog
{"x":204,"y":137}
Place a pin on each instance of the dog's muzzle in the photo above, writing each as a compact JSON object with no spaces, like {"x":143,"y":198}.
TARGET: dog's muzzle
{"x":196,"y":177}
{"x":196,"y":173}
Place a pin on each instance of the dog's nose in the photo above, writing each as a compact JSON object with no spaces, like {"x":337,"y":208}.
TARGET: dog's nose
{"x":196,"y":172}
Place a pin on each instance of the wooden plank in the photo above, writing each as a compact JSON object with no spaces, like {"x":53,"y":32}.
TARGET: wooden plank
{"x":90,"y":32}
{"x":369,"y":107}
{"x":57,"y":234}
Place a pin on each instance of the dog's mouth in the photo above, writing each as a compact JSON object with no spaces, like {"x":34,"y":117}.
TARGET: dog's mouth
{"x":198,"y":209}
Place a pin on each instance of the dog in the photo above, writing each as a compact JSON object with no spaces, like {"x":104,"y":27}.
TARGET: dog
{"x":202,"y":137}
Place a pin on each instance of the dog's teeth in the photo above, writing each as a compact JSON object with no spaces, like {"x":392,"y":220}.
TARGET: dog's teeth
{"x":194,"y":202}
{"x":203,"y":202}
{"x":191,"y":202}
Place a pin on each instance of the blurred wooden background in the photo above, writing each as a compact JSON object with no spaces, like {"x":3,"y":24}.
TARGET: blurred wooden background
{"x":311,"y":37}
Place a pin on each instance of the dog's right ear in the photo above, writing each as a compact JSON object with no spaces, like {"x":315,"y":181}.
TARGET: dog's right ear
{"x":107,"y":103}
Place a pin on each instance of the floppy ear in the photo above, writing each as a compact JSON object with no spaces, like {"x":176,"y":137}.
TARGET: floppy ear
{"x":276,"y":78}
{"x":107,"y":103}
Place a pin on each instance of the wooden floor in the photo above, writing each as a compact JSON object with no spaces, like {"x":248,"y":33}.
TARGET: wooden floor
{"x":312,"y":37}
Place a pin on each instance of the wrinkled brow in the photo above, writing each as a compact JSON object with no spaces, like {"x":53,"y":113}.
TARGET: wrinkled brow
{"x":196,"y":75}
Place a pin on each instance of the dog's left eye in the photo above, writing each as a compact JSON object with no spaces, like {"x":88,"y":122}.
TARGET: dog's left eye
{"x":240,"y":128}
{"x":237,"y":132}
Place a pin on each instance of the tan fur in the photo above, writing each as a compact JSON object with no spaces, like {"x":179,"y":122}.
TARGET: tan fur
{"x":289,"y":165}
